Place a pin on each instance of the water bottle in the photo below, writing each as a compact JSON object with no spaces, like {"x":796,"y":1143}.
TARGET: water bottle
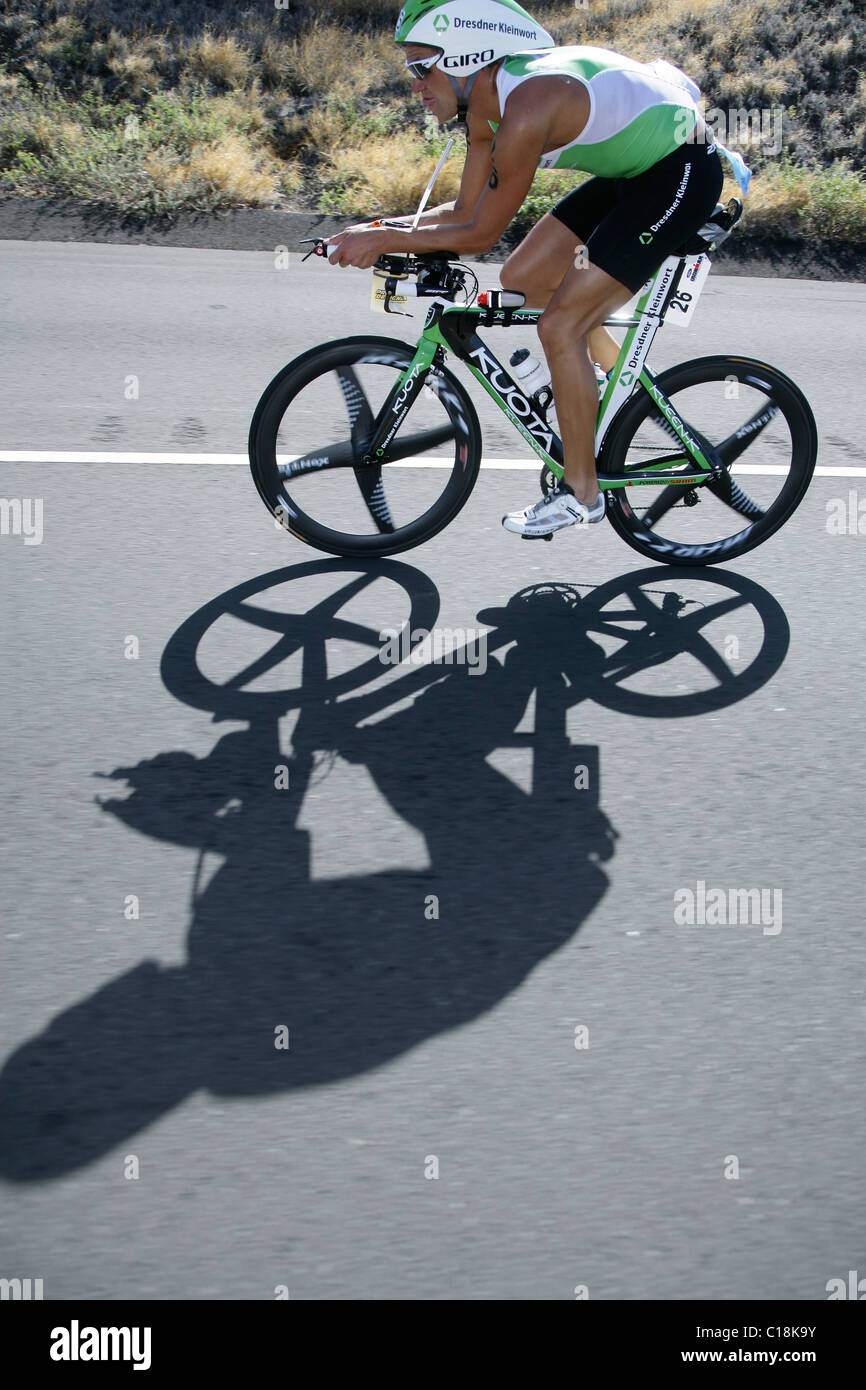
{"x":601,"y":377}
{"x":532,"y":374}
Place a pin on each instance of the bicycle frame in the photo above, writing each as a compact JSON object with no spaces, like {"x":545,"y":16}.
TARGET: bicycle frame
{"x":450,"y":327}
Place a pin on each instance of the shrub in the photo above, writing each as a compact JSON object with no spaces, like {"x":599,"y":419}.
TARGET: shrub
{"x":387,"y":175}
{"x":202,"y":78}
{"x":219,"y":59}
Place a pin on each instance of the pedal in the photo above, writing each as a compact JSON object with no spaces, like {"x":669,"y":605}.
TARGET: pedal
{"x":548,"y":537}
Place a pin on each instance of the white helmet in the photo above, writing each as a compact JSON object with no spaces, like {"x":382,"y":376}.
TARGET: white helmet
{"x":470,"y":34}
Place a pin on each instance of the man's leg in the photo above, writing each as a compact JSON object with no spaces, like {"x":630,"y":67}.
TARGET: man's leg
{"x":584,"y":299}
{"x":676,"y":195}
{"x":537,"y":268}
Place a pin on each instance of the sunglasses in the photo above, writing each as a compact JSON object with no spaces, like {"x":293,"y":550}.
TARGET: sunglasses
{"x":422,"y":67}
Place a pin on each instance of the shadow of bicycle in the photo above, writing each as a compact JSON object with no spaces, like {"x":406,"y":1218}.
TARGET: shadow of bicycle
{"x":296,"y":981}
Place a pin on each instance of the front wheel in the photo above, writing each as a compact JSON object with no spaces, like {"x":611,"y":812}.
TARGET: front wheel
{"x":760,"y":426}
{"x":312,"y":428}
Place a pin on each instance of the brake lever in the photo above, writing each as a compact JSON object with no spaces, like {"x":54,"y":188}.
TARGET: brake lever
{"x":317,"y":249}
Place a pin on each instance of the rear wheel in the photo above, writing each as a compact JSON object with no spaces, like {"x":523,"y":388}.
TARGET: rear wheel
{"x":761,"y":427}
{"x":311,"y":430}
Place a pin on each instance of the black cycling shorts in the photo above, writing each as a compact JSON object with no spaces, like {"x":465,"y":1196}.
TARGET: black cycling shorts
{"x":629,"y":226}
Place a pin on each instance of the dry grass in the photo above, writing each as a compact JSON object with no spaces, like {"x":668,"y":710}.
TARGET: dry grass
{"x":232,"y":170}
{"x":165,"y":172}
{"x":635,"y":27}
{"x":55,"y":39}
{"x":226,"y":171}
{"x":325,"y":58}
{"x":275,"y":58}
{"x":70,"y":133}
{"x":650,"y":13}
{"x":389,"y":175}
{"x":772,"y":200}
{"x":219,"y":59}
{"x":803,"y":202}
{"x":321,"y":59}
{"x":135,"y":71}
{"x":379,"y":14}
{"x":256,"y":103}
{"x":329,"y":122}
{"x":838,"y":51}
{"x":240,"y":111}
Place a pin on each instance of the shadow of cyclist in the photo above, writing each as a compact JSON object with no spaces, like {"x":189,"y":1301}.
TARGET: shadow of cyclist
{"x":351,"y":971}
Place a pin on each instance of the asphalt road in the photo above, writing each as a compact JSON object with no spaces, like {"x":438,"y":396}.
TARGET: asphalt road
{"x":422,"y":1023}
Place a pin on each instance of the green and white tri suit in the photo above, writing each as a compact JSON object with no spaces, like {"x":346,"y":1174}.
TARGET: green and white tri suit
{"x":656,"y":178}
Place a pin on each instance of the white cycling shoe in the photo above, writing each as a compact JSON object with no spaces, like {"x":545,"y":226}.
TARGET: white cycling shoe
{"x":558,"y":509}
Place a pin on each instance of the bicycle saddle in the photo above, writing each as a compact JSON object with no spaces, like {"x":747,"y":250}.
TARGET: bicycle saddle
{"x":718,"y":226}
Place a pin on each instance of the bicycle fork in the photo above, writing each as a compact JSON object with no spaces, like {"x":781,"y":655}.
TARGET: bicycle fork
{"x":400,"y":399}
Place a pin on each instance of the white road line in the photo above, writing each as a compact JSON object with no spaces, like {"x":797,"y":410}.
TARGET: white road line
{"x":241,"y":460}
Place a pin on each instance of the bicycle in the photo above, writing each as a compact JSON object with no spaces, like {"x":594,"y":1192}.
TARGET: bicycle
{"x":684,"y":520}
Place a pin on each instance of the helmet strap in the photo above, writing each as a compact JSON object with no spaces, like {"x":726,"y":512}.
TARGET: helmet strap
{"x":463,"y":94}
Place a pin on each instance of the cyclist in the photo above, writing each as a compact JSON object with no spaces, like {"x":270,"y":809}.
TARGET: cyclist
{"x":525,"y":103}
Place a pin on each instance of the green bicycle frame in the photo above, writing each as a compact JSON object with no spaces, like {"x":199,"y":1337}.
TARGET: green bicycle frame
{"x":452,"y":328}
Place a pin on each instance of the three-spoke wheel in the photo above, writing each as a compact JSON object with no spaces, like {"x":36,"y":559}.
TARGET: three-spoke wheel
{"x":759,"y":426}
{"x":310,"y":434}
